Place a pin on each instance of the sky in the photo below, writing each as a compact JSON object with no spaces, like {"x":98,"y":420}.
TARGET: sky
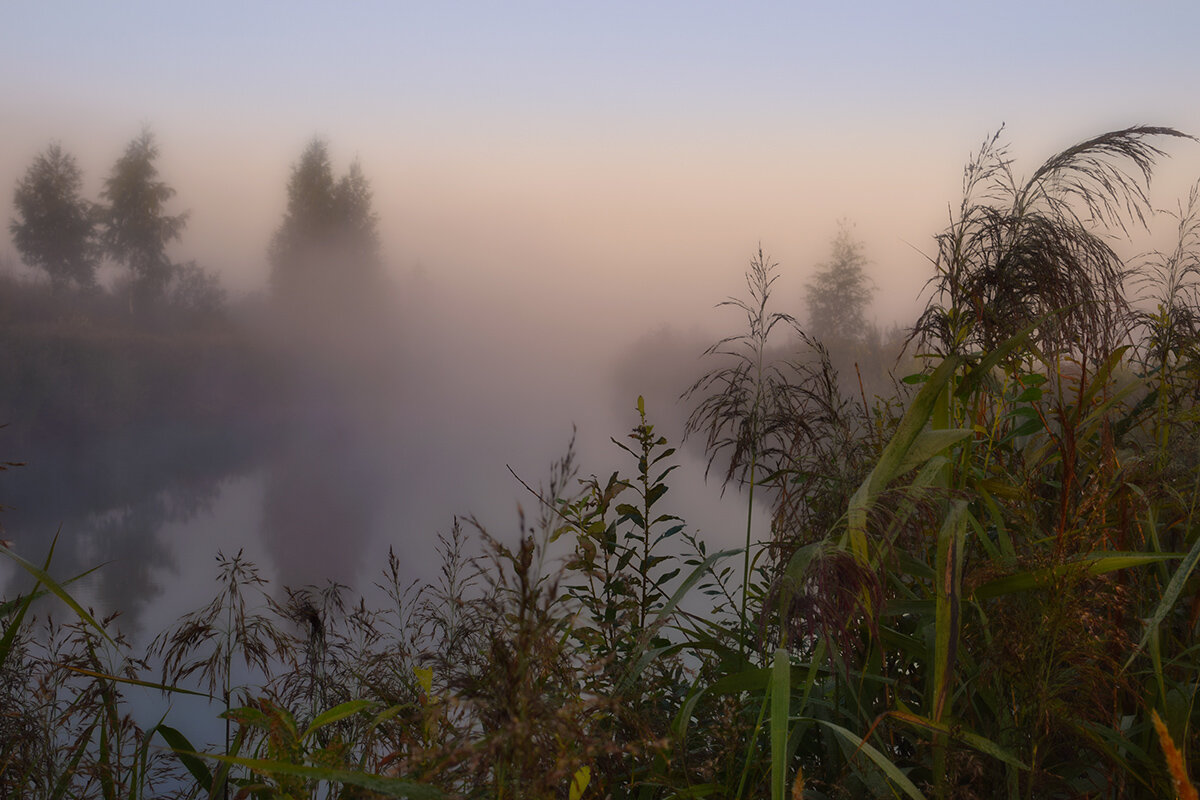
{"x":561,"y":179}
{"x":534,"y":151}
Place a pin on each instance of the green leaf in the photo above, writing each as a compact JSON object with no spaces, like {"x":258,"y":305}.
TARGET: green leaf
{"x":748,"y":680}
{"x":184,"y":750}
{"x":22,"y":605}
{"x":336,"y":713}
{"x":1169,"y":598}
{"x":883,"y":762}
{"x":162,"y":687}
{"x":947,"y":617}
{"x":980,"y":743}
{"x":579,"y":782}
{"x":639,"y":657}
{"x":57,"y":590}
{"x":107,"y":787}
{"x":64,"y":779}
{"x":1095,"y":563}
{"x":392,"y":787}
{"x":895,"y":454}
{"x":1030,"y":395}
{"x":930,"y":443}
{"x":14,"y":625}
{"x":1026,"y":428}
{"x":780,"y":708}
{"x":983,"y":370}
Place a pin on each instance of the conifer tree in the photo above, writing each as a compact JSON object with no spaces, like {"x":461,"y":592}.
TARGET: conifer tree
{"x":327,"y":243}
{"x":839,"y":292}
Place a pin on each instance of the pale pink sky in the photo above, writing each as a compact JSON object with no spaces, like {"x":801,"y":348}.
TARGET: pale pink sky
{"x":532,"y":151}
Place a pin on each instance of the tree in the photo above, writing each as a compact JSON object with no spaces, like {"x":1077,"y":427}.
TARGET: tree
{"x":327,"y":243}
{"x":195,"y":292}
{"x":838,"y":294}
{"x":357,"y":220}
{"x":55,"y":228}
{"x":137,"y":228}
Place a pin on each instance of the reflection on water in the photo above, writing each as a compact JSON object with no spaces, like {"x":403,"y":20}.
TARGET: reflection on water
{"x":315,"y":455}
{"x":114,"y":500}
{"x":308,"y":481}
{"x":324,"y":487}
{"x":106,"y":498}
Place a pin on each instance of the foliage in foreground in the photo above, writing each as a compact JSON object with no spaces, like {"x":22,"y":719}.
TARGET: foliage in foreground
{"x":985,"y":587}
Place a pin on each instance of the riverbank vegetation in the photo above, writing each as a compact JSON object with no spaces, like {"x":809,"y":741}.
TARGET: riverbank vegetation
{"x":982,"y":584}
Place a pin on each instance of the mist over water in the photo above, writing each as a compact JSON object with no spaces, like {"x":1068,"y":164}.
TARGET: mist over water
{"x":362,"y":429}
{"x":361,"y":422}
{"x":561,"y":199}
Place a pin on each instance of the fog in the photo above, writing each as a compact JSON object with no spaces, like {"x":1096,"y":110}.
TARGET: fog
{"x":561,"y":203}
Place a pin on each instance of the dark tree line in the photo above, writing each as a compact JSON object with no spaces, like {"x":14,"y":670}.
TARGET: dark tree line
{"x":67,"y":236}
{"x":326,"y":248}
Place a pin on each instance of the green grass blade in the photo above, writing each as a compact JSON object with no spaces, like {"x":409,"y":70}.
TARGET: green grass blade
{"x":391,"y":787}
{"x":884,"y":763}
{"x":141,"y":761}
{"x":781,"y":696}
{"x":980,"y":743}
{"x":184,"y":750}
{"x":10,"y":633}
{"x":1095,"y":563}
{"x":9,"y":606}
{"x":338,"y":712}
{"x":55,"y":588}
{"x":221,"y":776}
{"x":22,"y":607}
{"x":1123,"y":751}
{"x":752,"y":747}
{"x":929,"y":443}
{"x":162,"y":687}
{"x":947,"y":615}
{"x":752,"y":679}
{"x":981,"y":371}
{"x":64,"y":779}
{"x":107,"y":787}
{"x":1169,"y":598}
{"x":639,"y":657}
{"x":895,"y":453}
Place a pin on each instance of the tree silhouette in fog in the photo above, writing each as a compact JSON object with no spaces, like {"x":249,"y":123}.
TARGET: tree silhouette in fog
{"x":838,"y":294}
{"x":327,"y":246}
{"x":55,"y":228}
{"x":137,"y":228}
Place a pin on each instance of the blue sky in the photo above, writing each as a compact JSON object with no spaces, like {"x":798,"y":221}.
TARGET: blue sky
{"x":645,"y":141}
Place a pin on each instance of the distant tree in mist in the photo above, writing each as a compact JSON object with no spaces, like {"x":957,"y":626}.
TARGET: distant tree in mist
{"x":137,"y":228}
{"x":838,"y":294}
{"x":54,"y":228}
{"x":328,"y":243}
{"x":195,"y":291}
